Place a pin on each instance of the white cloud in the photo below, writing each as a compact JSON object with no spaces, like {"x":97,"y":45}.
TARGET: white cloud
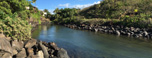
{"x":64,"y":5}
{"x":67,"y":5}
{"x":51,"y":11}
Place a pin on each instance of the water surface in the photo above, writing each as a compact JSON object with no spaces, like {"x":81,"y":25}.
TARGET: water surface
{"x":87,"y":44}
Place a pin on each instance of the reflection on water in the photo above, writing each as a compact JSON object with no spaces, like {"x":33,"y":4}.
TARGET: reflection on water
{"x":86,"y":44}
{"x":44,"y":30}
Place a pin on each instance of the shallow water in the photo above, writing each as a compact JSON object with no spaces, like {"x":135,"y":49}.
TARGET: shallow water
{"x":87,"y":44}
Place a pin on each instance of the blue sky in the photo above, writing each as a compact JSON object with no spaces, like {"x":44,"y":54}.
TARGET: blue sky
{"x":53,"y":4}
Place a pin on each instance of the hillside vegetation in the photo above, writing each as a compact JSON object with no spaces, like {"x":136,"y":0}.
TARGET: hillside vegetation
{"x":135,"y":13}
{"x":15,"y":16}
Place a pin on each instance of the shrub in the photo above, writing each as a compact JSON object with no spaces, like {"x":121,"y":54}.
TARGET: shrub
{"x":15,"y":28}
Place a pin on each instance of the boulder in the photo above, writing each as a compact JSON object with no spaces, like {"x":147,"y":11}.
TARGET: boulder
{"x":117,"y":32}
{"x":30,"y":43}
{"x":44,"y":49}
{"x":53,"y":46}
{"x":5,"y":45}
{"x":96,"y":30}
{"x":145,"y":33}
{"x":40,"y":54}
{"x":32,"y":56}
{"x":8,"y":38}
{"x":7,"y":55}
{"x":18,"y":45}
{"x":21,"y":54}
{"x":128,"y":34}
{"x":62,"y":53}
{"x":2,"y":36}
{"x":30,"y":51}
{"x":14,"y":52}
{"x":132,"y":28}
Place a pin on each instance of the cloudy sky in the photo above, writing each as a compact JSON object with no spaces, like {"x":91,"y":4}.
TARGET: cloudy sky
{"x":53,"y":4}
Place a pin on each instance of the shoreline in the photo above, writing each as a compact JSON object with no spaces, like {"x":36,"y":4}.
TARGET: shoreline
{"x":118,"y":30}
{"x":31,"y":48}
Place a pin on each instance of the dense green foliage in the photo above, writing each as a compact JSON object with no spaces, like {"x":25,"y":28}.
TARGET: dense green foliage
{"x":118,"y":9}
{"x":48,"y":14}
{"x":66,"y":15}
{"x":14,"y":18}
{"x":14,"y":27}
{"x":127,"y":12}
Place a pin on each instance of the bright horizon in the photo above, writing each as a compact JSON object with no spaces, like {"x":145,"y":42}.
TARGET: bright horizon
{"x":51,"y":5}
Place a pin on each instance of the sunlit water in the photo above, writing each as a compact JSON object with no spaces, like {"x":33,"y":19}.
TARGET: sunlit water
{"x":87,"y":44}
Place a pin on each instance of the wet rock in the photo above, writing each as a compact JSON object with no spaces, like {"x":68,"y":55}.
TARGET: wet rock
{"x":62,"y":53}
{"x":18,"y":45}
{"x":30,"y":43}
{"x":40,"y":54}
{"x":5,"y":45}
{"x":21,"y":54}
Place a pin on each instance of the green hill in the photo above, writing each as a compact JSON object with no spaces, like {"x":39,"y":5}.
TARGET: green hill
{"x":118,"y":9}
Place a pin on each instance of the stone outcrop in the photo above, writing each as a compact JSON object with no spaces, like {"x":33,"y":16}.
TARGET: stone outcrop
{"x":30,"y":49}
{"x":5,"y":46}
{"x":118,"y":30}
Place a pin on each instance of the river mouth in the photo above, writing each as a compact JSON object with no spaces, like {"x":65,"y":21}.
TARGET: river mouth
{"x":86,"y":44}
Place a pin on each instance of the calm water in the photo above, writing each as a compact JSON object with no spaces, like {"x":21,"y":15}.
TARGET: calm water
{"x":86,"y":44}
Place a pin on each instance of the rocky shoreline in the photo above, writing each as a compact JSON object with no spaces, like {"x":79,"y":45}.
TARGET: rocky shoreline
{"x":118,"y":30}
{"x":29,"y":49}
